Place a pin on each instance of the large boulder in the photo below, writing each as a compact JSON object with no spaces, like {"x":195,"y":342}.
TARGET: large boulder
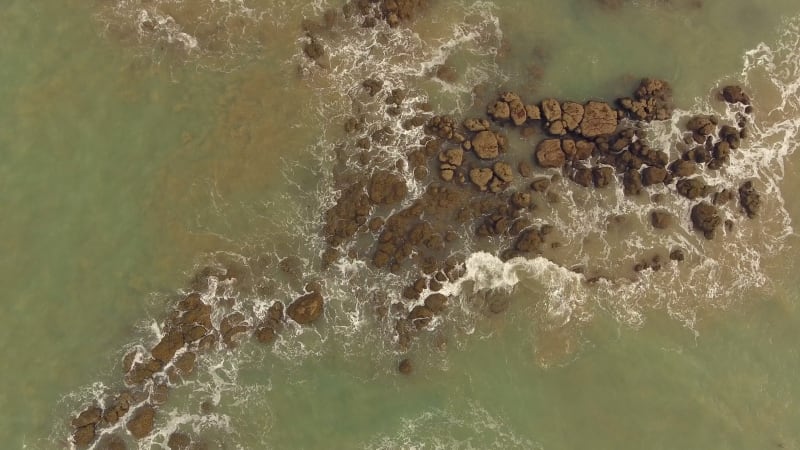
{"x":140,"y":424}
{"x":705,"y":218}
{"x":549,"y":153}
{"x":306,"y":309}
{"x":486,"y":145}
{"x":598,"y":119}
{"x":169,"y":344}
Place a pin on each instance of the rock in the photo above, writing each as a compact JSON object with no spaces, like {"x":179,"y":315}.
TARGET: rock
{"x":632,"y":182}
{"x":572,"y":115}
{"x":185,"y":363}
{"x":314,"y":49}
{"x":306,"y":309}
{"x":446,"y":73}
{"x":750,"y":199}
{"x":583,"y":177}
{"x":598,"y":119}
{"x":533,"y":111}
{"x":372,"y":86}
{"x":83,"y":436}
{"x":602,"y":176}
{"x":118,"y":408}
{"x":722,"y":197}
{"x":499,"y":111}
{"x":169,"y":344}
{"x":498,"y":303}
{"x":386,"y":188}
{"x":476,"y":125}
{"x":660,"y":219}
{"x":583,"y":149}
{"x":653,"y":101}
{"x":557,"y":128}
{"x":504,"y":171}
{"x":682,"y":168}
{"x":549,"y":153}
{"x":436,"y":303}
{"x":265,"y":333}
{"x":405,"y":367}
{"x":140,"y":424}
{"x":653,"y":175}
{"x":735,"y":94}
{"x":551,"y":109}
{"x":486,"y":145}
{"x":420,"y":316}
{"x":676,"y":255}
{"x":525,"y":169}
{"x":540,"y":184}
{"x":692,"y":188}
{"x":89,"y":416}
{"x":529,"y":240}
{"x":517,"y":111}
{"x":701,"y":124}
{"x":705,"y":218}
{"x":452,"y":156}
{"x":179,"y":441}
{"x":481,"y":177}
{"x":446,"y":174}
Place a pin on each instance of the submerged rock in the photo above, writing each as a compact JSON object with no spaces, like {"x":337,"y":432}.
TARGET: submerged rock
{"x":405,"y":367}
{"x":749,"y":199}
{"x":660,"y":219}
{"x":140,"y":425}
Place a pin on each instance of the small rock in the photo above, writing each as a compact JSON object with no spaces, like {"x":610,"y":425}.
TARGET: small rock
{"x":306,"y":309}
{"x":486,"y":145}
{"x":504,"y":171}
{"x":405,"y":367}
{"x":660,"y":219}
{"x":481,"y":177}
{"x":549,"y":153}
{"x":735,"y":94}
{"x":705,"y":218}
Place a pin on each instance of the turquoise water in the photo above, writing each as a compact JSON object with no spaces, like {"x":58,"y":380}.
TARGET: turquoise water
{"x":129,"y":163}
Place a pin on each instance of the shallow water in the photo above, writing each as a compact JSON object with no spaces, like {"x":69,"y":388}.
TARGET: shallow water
{"x":132,"y":160}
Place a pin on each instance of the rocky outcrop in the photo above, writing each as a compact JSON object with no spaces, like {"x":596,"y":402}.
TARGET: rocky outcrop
{"x":549,"y":153}
{"x":598,"y":119}
{"x":652,"y":101}
{"x":306,"y":309}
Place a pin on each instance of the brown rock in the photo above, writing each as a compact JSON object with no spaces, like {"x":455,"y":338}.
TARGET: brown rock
{"x":682,"y":168}
{"x":551,"y":109}
{"x":750,"y":199}
{"x":549,"y":153}
{"x":89,"y":416}
{"x":504,"y":171}
{"x":583,"y":149}
{"x":486,"y":145}
{"x":140,"y":424}
{"x":602,"y":176}
{"x":660,"y":219}
{"x":476,"y":125}
{"x":540,"y":184}
{"x":446,"y":174}
{"x":306,"y":309}
{"x":499,"y":111}
{"x":169,"y":344}
{"x":179,"y":441}
{"x":693,"y":188}
{"x":632,"y":182}
{"x":735,"y":94}
{"x":436,"y":303}
{"x":83,"y":436}
{"x":265,"y":334}
{"x":653,"y":175}
{"x":481,"y":177}
{"x":702,"y":124}
{"x":452,"y":156}
{"x":386,"y":188}
{"x":676,"y":255}
{"x":185,"y":363}
{"x":583,"y":176}
{"x":405,"y":367}
{"x":525,"y":169}
{"x":533,"y":111}
{"x":420,"y":316}
{"x":705,"y":218}
{"x":572,"y":115}
{"x":598,"y":119}
{"x":518,"y":113}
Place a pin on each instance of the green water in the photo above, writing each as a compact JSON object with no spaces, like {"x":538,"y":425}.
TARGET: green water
{"x":125,"y":165}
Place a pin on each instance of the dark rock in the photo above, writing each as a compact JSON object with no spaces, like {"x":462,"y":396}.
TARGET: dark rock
{"x":549,"y":153}
{"x":632,"y":182}
{"x":602,"y":176}
{"x":185,"y":363}
{"x":660,"y":219}
{"x":436,"y":303}
{"x":701,"y":124}
{"x":89,"y":416}
{"x":529,"y":240}
{"x":372,"y":86}
{"x":653,"y":175}
{"x":306,"y":309}
{"x":676,"y":255}
{"x":179,"y":441}
{"x":583,"y":177}
{"x":749,"y":198}
{"x":83,"y":436}
{"x":682,"y":168}
{"x":169,"y":344}
{"x":693,"y":188}
{"x":420,"y":316}
{"x":705,"y":218}
{"x":405,"y":367}
{"x":140,"y":424}
{"x":735,"y":94}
